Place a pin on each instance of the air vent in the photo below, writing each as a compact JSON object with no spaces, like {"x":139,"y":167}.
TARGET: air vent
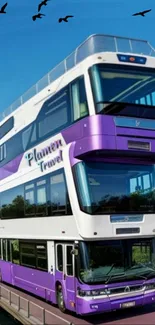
{"x":138,"y":145}
{"x":121,"y":231}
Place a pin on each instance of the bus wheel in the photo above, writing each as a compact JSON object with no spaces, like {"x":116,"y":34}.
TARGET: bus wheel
{"x":60,"y":299}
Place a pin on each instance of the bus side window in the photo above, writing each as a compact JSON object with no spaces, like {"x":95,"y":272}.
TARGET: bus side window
{"x":41,"y":199}
{"x":79,"y":99}
{"x":58,"y":192}
{"x":1,"y":249}
{"x":59,"y":257}
{"x":8,"y":250}
{"x":69,"y":260}
{"x":29,"y":199}
{"x":4,"y":249}
{"x":15,"y":251}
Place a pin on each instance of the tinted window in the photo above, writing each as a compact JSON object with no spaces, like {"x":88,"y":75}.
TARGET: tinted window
{"x":33,"y":255}
{"x":55,"y":113}
{"x":41,"y":197}
{"x":29,"y":199}
{"x":116,"y":85}
{"x":8,"y":250}
{"x":41,"y":254}
{"x":26,"y":137}
{"x":79,"y":99}
{"x":45,"y":196}
{"x":60,"y":258}
{"x":58,"y":194}
{"x":105,"y":188}
{"x":6,"y":127}
{"x":12,"y":203}
{"x":27,"y":254}
{"x":15,"y":251}
{"x":2,"y":152}
{"x":58,"y":112}
{"x":69,"y":260}
{"x":4,"y":249}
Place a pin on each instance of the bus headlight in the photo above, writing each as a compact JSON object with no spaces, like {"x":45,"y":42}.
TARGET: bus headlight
{"x":91,"y":293}
{"x":150,"y":286}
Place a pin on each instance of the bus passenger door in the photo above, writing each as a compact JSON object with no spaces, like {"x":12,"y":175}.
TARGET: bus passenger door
{"x":65,"y":272}
{"x":70,"y":276}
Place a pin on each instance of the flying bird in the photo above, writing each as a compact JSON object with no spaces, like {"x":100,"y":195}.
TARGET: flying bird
{"x":64,"y":19}
{"x":142,"y":13}
{"x":43,"y":3}
{"x":37,"y":16}
{"x":3,"y":8}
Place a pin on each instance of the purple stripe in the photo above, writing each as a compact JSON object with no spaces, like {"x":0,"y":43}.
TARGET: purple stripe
{"x":101,"y":124}
{"x":91,"y":133}
{"x":11,"y":167}
{"x":92,"y":125}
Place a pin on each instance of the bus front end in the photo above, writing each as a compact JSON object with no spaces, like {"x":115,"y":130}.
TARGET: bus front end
{"x":112,"y":189}
{"x":115,"y":261}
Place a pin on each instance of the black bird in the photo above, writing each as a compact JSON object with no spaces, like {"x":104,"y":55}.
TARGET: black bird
{"x":64,"y":19}
{"x":43,"y":3}
{"x":142,"y":13}
{"x":37,"y":16}
{"x":3,"y":8}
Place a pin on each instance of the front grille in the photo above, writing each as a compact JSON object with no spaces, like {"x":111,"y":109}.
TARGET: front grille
{"x":125,"y":289}
{"x":121,"y":231}
{"x":139,"y":145}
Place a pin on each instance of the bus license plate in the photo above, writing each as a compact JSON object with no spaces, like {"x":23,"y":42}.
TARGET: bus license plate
{"x":128,"y":304}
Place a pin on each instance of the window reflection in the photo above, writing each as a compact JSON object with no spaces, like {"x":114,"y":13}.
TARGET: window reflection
{"x":12,"y":203}
{"x":121,"y":84}
{"x":104,"y":260}
{"x":41,"y":197}
{"x":115,"y":188}
{"x":80,"y":106}
{"x":45,"y":196}
{"x":15,"y":251}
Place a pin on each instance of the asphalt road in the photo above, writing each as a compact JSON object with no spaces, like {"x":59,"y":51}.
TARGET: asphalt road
{"x":137,"y":316}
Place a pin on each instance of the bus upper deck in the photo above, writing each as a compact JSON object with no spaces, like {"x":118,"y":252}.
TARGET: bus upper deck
{"x":96,"y":43}
{"x":110,"y":83}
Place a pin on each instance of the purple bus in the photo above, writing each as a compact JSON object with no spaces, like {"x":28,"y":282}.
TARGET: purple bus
{"x":77,"y":180}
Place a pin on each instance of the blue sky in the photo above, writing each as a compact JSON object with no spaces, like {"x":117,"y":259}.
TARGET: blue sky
{"x":28,"y":50}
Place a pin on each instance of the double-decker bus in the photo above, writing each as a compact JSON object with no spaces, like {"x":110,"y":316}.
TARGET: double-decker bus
{"x":77,"y":180}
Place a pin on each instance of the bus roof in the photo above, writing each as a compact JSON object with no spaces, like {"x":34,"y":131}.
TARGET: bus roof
{"x":93,"y":44}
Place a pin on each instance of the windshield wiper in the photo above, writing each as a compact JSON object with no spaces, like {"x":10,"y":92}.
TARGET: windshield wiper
{"x":151,"y":274}
{"x":134,"y":267}
{"x":125,"y":274}
{"x":117,"y":275}
{"x":112,"y":266}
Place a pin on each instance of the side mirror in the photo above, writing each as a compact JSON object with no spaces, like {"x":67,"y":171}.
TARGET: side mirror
{"x":74,"y":251}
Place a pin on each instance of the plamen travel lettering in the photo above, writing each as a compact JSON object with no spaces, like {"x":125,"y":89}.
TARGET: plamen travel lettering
{"x":44,"y":165}
{"x":39,"y":155}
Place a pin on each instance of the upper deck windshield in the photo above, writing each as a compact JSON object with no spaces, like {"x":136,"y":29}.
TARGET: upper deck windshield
{"x":105,"y":188}
{"x":117,"y":260}
{"x":114,"y":86}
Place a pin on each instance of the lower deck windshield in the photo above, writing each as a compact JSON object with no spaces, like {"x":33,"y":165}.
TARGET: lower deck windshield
{"x":105,"y":188}
{"x":116,"y":260}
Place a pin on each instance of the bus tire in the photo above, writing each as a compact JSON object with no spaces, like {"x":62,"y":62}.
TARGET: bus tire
{"x":60,"y":299}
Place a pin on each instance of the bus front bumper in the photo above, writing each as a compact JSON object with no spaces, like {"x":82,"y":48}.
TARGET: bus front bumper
{"x":94,"y":305}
